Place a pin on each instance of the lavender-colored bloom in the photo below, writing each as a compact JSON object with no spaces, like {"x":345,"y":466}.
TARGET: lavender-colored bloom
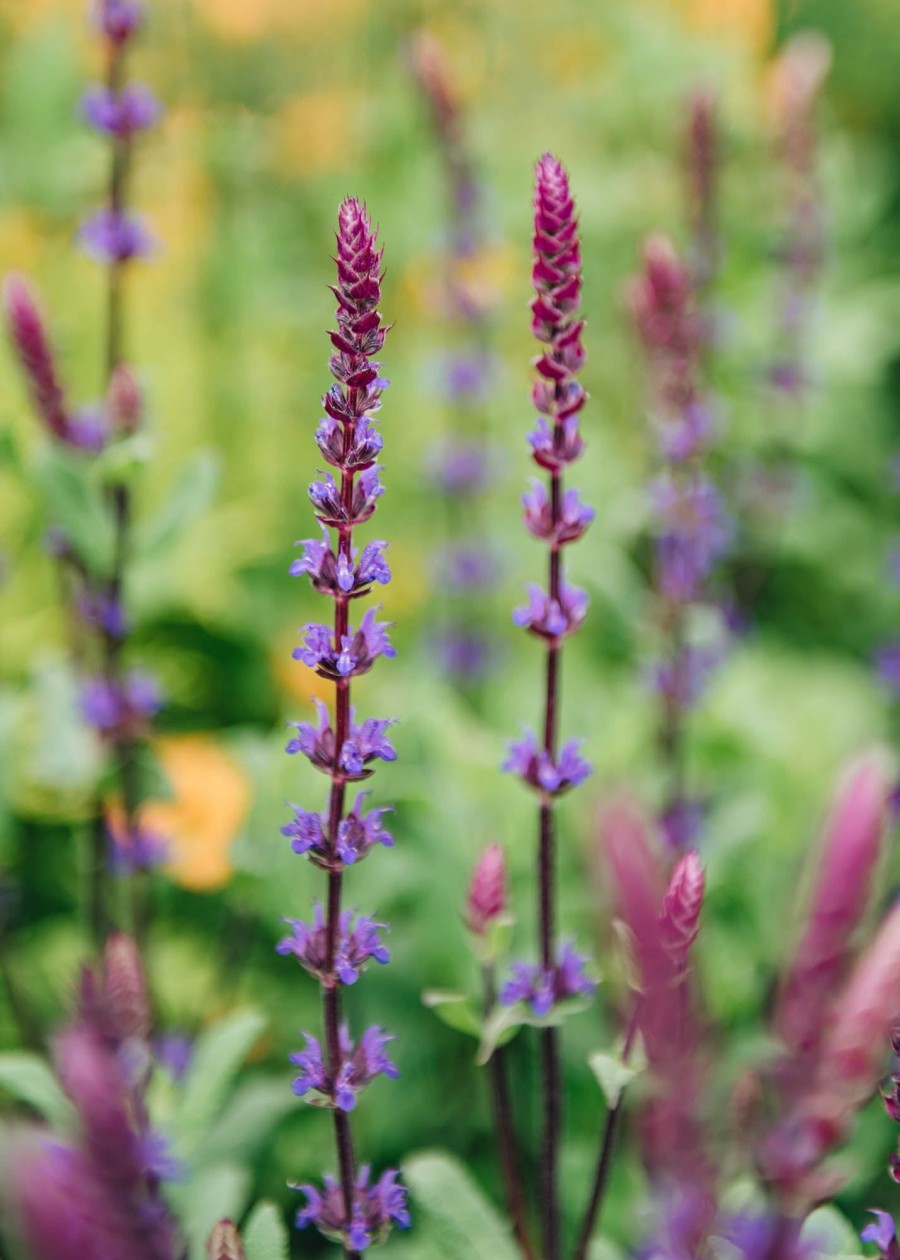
{"x":681,"y":822}
{"x":536,"y":767}
{"x":693,"y":532}
{"x":174,"y":1052}
{"x":574,"y":517}
{"x":358,"y":942}
{"x":367,"y":742}
{"x":361,"y":1064}
{"x":462,"y":652}
{"x":543,"y":988}
{"x":118,"y":20}
{"x":136,"y":850}
{"x":332,"y":574}
{"x":113,"y":708}
{"x":359,"y":832}
{"x":375,"y":1207}
{"x":89,"y":429}
{"x":883,"y":1233}
{"x":325,"y":497}
{"x":887,"y":663}
{"x":103,"y":610}
{"x":682,"y":681}
{"x":312,"y":1075}
{"x":110,"y":237}
{"x":123,"y":113}
{"x":552,"y":452}
{"x":358,"y":651}
{"x":467,"y":566}
{"x":458,"y":467}
{"x":550,"y":618}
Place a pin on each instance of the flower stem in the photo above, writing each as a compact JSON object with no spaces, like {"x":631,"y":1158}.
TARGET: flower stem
{"x":504,"y":1126}
{"x":608,"y":1143}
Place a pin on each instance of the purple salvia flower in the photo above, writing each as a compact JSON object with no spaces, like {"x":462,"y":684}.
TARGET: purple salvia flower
{"x":113,"y":237}
{"x":138,"y":850}
{"x":120,"y":709}
{"x":539,"y":770}
{"x":123,"y":113}
{"x":574,"y":516}
{"x":338,"y":944}
{"x":459,"y":467}
{"x":358,"y":941}
{"x":887,"y":665}
{"x":543,"y":988}
{"x":552,"y":618}
{"x":118,"y":20}
{"x":462,"y":652}
{"x":681,"y":822}
{"x":883,"y":1233}
{"x":375,"y":1208}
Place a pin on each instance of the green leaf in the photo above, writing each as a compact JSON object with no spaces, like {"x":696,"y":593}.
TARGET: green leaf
{"x":203,"y":1201}
{"x":265,"y":1237}
{"x":827,"y":1233}
{"x":76,"y":505}
{"x":613,"y":1074}
{"x":28,"y":1078}
{"x":189,"y":500}
{"x":455,"y":1010}
{"x":122,"y":462}
{"x":505,"y":1021}
{"x":247,"y":1121}
{"x":218,"y":1056}
{"x":457,"y":1221}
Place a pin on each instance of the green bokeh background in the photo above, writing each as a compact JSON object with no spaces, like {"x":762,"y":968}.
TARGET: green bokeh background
{"x":275,"y":113}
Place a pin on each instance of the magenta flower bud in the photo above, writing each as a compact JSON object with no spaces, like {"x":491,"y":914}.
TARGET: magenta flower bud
{"x":125,"y":401}
{"x":680,"y":915}
{"x":849,"y":856}
{"x":126,"y":989}
{"x":32,"y":346}
{"x":225,"y":1243}
{"x":488,"y":893}
{"x":853,"y":1047}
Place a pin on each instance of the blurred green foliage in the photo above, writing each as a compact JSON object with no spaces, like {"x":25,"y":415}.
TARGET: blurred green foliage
{"x":275,"y":112}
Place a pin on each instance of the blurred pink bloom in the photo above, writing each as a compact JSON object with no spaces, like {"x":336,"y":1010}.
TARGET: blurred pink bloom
{"x":487,"y":897}
{"x":852,"y":845}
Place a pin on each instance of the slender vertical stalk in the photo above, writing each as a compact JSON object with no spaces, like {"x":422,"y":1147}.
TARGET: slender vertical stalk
{"x":337,"y":946}
{"x":612,"y":1128}
{"x":553,"y":613}
{"x":504,"y":1126}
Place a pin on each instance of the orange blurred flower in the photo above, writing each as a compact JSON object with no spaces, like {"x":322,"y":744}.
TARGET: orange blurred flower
{"x":318,"y":131}
{"x":242,"y":21}
{"x":201,"y":820}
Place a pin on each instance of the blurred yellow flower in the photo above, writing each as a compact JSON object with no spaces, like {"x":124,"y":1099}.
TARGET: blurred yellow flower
{"x":208,"y":806}
{"x":242,"y":21}
{"x":485,"y":278}
{"x":24,"y":15}
{"x":317,"y":131}
{"x":21,"y":240}
{"x":751,"y":22}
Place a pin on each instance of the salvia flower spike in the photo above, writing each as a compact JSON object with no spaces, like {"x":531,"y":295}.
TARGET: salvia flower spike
{"x":337,"y":944}
{"x":691,"y":527}
{"x":556,"y":517}
{"x":116,"y":702}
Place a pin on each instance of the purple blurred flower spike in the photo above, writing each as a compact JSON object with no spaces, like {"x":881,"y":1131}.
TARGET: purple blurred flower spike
{"x":115,"y":238}
{"x":118,"y":20}
{"x":680,"y":914}
{"x":121,"y":114}
{"x":32,"y":345}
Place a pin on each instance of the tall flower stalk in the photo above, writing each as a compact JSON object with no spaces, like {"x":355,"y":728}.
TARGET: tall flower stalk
{"x":459,"y":462}
{"x":555,"y":516}
{"x":115,"y":701}
{"x":337,"y":944}
{"x":691,"y":530}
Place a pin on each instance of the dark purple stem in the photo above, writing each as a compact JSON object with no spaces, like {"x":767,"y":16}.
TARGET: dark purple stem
{"x":331,"y":999}
{"x":506,"y":1134}
{"x":608,"y":1143}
